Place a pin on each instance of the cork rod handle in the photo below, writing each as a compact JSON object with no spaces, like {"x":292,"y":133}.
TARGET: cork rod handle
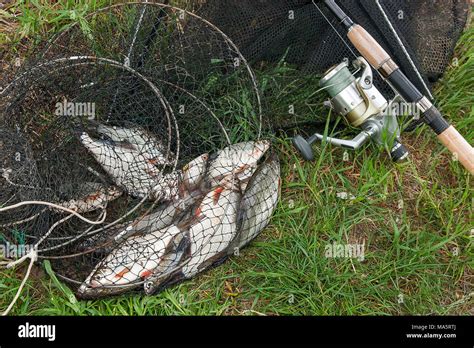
{"x":459,"y":147}
{"x":367,"y":46}
{"x":377,"y":57}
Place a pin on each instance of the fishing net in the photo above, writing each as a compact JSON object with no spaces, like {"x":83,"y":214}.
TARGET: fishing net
{"x":134,"y":153}
{"x":420,"y":35}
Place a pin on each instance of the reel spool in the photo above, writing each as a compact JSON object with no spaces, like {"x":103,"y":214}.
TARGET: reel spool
{"x":362,"y":105}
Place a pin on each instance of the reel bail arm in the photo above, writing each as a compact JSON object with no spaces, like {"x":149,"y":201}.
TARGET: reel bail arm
{"x":363,"y":106}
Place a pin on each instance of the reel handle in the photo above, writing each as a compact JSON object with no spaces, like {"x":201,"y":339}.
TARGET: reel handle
{"x":398,"y":152}
{"x":304,"y":146}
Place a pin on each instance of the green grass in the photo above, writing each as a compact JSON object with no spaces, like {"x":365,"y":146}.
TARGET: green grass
{"x":415,"y":219}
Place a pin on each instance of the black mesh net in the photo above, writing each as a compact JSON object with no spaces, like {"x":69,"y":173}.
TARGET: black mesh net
{"x":134,"y":152}
{"x":421,"y":35}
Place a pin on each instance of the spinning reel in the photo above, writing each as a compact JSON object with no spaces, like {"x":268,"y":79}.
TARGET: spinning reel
{"x":363,"y":106}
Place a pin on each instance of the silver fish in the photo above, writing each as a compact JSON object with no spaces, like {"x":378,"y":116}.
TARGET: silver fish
{"x":137,"y":139}
{"x":193,"y":173}
{"x":258,"y":202}
{"x":180,"y":183}
{"x":131,"y":170}
{"x":164,"y":215}
{"x":209,"y":233}
{"x":217,"y":225}
{"x":92,"y":197}
{"x":239,"y":159}
{"x":169,"y":212}
{"x":129,"y":264}
{"x":169,"y":265}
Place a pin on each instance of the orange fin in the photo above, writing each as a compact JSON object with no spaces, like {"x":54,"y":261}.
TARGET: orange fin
{"x":122,"y":273}
{"x":145,"y":274}
{"x":217,"y":194}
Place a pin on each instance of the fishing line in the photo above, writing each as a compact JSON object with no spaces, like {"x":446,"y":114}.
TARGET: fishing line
{"x":334,"y":28}
{"x":409,"y":58}
{"x":345,"y":42}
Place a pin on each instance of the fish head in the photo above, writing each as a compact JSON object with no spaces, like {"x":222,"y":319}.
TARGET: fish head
{"x":249,"y":152}
{"x":239,"y":157}
{"x":103,"y":276}
{"x":135,"y":138}
{"x":260,"y":148}
{"x":149,"y":287}
{"x":198,"y":162}
{"x":116,"y":133}
{"x":107,"y":281}
{"x":194,"y":171}
{"x":86,"y":140}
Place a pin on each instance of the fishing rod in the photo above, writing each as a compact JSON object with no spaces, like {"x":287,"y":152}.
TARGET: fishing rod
{"x":347,"y":93}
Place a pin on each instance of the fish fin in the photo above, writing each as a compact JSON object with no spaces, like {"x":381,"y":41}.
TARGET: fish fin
{"x":122,"y":273}
{"x":217,"y":194}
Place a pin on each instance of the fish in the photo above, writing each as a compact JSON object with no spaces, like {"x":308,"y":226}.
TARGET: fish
{"x":163,"y":275}
{"x":163,"y":216}
{"x":193,"y":173}
{"x":258,"y":203}
{"x":181,"y":183}
{"x":239,"y":159}
{"x":129,"y":170}
{"x":93,"y":196}
{"x":137,"y":139}
{"x":210,"y":230}
{"x":128,"y":264}
{"x":184,"y":197}
{"x":209,"y":241}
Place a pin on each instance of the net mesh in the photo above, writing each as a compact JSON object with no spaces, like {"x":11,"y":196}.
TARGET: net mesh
{"x":134,"y":152}
{"x":421,"y":35}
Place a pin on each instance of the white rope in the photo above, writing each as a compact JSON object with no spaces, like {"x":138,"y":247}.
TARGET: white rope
{"x":52,"y":205}
{"x":6,"y":175}
{"x":15,"y":223}
{"x":56,"y":224}
{"x":33,"y":256}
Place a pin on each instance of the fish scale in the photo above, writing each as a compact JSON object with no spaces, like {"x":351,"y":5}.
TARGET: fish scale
{"x":258,"y":202}
{"x":206,"y":248}
{"x":139,"y":139}
{"x":206,"y":235}
{"x":129,"y":169}
{"x":214,"y":233}
{"x":124,"y":265}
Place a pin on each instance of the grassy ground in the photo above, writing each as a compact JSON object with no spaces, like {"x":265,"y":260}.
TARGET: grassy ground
{"x":415,"y":220}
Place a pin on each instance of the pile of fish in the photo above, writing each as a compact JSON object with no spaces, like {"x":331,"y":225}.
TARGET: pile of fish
{"x":215,"y":204}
